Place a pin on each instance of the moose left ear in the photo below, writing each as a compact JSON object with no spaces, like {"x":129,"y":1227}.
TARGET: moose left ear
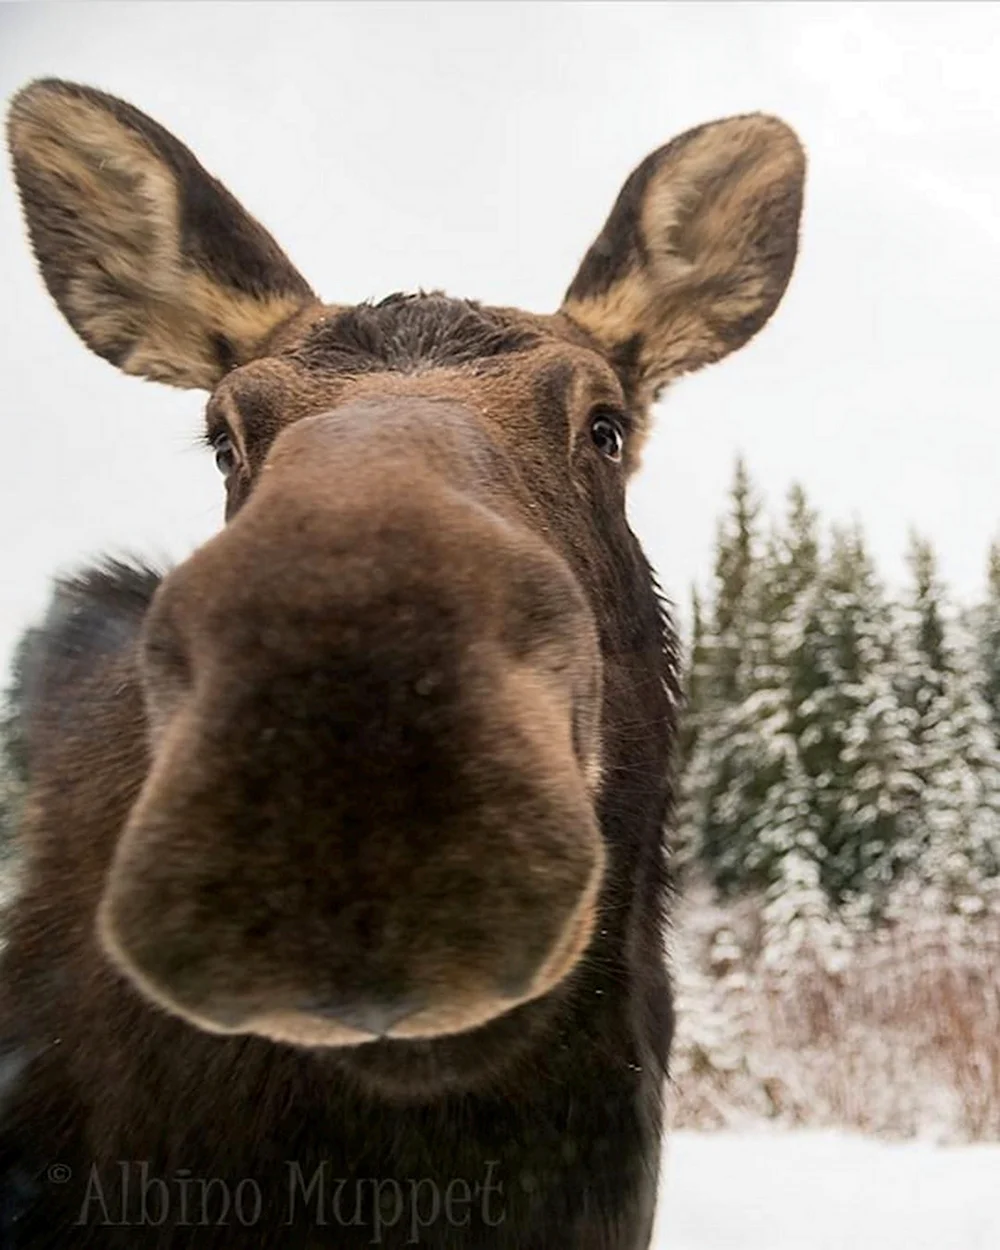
{"x":696,"y":254}
{"x":150,"y":259}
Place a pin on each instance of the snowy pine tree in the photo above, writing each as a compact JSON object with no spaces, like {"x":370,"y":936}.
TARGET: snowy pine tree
{"x":853,"y":735}
{"x":727,"y":769}
{"x":697,"y":676}
{"x":747,"y":792}
{"x":953,"y":842}
{"x":838,"y":743}
{"x":924,"y":663}
{"x":987,"y":634}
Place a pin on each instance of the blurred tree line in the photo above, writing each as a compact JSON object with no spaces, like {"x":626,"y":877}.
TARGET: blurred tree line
{"x":838,"y":743}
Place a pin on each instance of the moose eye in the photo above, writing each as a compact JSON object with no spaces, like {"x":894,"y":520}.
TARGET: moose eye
{"x":608,"y":436}
{"x":225,"y":453}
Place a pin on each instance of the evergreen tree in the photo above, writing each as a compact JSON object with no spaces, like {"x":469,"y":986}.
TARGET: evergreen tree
{"x":851,"y":732}
{"x":838,"y":744}
{"x":697,"y":675}
{"x":987,"y":629}
{"x":726,"y":773}
{"x":794,"y":562}
{"x":736,"y":552}
{"x":960,"y":847}
{"x":954,"y":840}
{"x":749,"y":804}
{"x":923,"y":671}
{"x":954,"y":836}
{"x":925,"y":663}
{"x":788,"y":846}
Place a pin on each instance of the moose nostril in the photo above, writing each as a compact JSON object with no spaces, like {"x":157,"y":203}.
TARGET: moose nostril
{"x":366,"y":1015}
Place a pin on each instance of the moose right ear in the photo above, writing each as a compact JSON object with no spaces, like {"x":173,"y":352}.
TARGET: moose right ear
{"x":150,"y":259}
{"x":696,"y":254}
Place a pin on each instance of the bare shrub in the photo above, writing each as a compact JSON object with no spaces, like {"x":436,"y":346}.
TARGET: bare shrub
{"x":891,"y":1030}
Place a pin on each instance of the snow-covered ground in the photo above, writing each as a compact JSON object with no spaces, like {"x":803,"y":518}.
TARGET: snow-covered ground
{"x":826,"y":1191}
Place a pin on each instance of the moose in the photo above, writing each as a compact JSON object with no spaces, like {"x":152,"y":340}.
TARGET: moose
{"x":345,"y":883}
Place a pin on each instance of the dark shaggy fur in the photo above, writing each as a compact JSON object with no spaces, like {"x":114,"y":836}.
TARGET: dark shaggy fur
{"x":406,"y":332}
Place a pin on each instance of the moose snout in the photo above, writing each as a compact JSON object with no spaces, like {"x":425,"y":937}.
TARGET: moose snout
{"x":374,"y":736}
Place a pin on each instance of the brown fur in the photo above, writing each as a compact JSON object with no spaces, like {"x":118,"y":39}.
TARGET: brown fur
{"x":344,"y":837}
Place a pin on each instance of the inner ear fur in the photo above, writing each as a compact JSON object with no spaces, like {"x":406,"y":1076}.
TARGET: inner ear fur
{"x":696,"y":253}
{"x":150,"y":259}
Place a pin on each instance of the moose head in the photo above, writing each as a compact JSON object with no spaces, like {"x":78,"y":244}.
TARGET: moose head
{"x":408,"y":714}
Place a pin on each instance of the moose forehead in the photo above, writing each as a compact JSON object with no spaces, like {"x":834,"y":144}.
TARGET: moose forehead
{"x":527,"y":373}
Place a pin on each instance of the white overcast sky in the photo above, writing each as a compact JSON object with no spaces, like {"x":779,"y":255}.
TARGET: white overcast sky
{"x":477,"y":148}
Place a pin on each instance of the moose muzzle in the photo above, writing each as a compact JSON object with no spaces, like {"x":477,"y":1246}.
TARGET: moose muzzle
{"x":374,"y":720}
